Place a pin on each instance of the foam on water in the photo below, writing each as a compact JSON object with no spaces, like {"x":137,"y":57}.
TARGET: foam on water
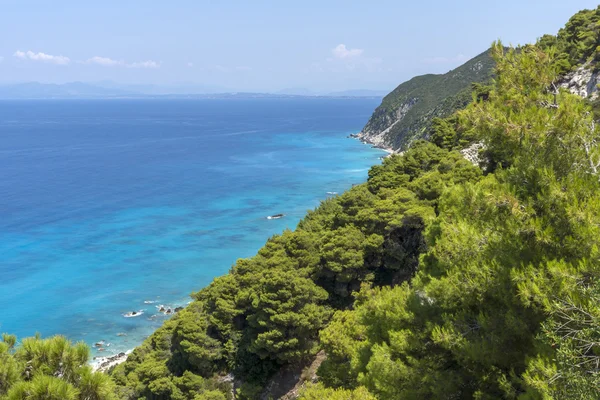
{"x":109,"y":207}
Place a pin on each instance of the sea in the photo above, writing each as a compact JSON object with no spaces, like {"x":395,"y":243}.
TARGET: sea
{"x":109,"y":207}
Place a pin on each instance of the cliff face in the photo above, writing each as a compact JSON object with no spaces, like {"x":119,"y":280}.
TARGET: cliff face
{"x":405,"y":114}
{"x":582,"y":82}
{"x":382,"y":122}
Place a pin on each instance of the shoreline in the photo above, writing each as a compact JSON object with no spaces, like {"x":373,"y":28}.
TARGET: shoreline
{"x":103,"y":364}
{"x":364,"y":140}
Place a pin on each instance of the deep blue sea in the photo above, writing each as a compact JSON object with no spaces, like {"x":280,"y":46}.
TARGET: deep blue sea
{"x":108,"y":204}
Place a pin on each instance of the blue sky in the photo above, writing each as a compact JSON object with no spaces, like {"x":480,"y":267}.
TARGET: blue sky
{"x":260,"y":45}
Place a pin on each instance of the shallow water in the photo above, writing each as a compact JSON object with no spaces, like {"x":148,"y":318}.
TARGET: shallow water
{"x":107,"y":204}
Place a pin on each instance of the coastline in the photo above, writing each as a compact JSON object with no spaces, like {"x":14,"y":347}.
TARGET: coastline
{"x":364,"y":139}
{"x":103,"y":364}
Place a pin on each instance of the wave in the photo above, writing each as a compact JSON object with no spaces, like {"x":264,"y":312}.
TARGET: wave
{"x":132,"y":314}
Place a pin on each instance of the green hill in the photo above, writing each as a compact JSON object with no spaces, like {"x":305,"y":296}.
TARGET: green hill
{"x":406,"y":113}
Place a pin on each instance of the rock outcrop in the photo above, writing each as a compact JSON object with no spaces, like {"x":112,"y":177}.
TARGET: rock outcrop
{"x":582,"y":82}
{"x":473,"y":154}
{"x":377,"y":137}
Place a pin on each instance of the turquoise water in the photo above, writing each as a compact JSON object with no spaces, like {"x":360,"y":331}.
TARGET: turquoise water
{"x":108,"y":205}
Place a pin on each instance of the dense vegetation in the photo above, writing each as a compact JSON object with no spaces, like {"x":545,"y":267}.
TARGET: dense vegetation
{"x":49,"y":369}
{"x":409,"y":110}
{"x":577,"y":43}
{"x":435,"y":279}
{"x":505,"y":300}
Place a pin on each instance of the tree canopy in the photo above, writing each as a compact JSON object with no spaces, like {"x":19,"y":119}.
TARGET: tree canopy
{"x":49,"y":369}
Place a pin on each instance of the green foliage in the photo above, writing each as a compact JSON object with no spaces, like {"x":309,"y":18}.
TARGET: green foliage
{"x":48,"y":369}
{"x":318,"y":392}
{"x":570,"y":371}
{"x":343,"y":256}
{"x":249,"y":391}
{"x":577,"y":42}
{"x":43,"y":387}
{"x":286,"y":316}
{"x":504,"y":303}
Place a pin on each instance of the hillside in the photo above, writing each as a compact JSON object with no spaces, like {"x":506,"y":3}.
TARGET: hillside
{"x":407,"y":112}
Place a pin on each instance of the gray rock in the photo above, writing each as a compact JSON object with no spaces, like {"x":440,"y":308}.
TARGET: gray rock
{"x":582,"y":82}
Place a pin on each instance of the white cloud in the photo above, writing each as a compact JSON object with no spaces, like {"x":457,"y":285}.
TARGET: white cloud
{"x":104,"y":61}
{"x":460,"y":58}
{"x":109,"y":62}
{"x":43,"y":57}
{"x":144,"y":64}
{"x":341,"y":51}
{"x":190,"y":64}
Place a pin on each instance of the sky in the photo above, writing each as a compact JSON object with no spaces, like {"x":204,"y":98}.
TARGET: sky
{"x":258,"y":45}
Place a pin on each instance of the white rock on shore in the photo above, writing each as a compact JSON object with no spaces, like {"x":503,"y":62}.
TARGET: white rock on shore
{"x":103,"y":364}
{"x":366,"y":139}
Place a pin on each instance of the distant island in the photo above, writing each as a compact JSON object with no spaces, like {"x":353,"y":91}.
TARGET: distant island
{"x":110,"y":90}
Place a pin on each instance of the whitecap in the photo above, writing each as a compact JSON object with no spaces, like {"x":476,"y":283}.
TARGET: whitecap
{"x":132,"y":314}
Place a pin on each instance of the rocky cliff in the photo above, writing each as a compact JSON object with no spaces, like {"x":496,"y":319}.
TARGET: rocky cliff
{"x":406,"y":113}
{"x":583,"y":81}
